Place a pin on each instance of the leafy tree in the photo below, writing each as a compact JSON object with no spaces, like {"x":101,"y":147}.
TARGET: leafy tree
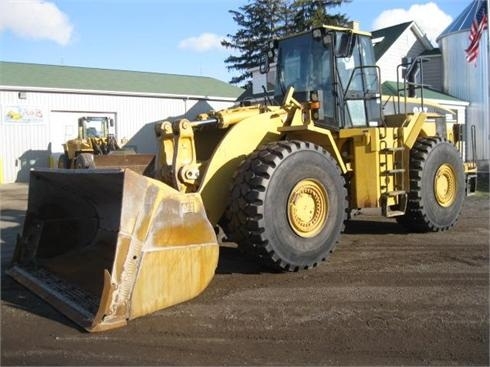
{"x":259,"y":21}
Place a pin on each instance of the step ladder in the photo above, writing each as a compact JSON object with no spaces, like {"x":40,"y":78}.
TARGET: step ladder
{"x":394,"y":196}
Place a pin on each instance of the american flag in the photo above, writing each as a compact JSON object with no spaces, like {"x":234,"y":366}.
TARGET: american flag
{"x":480,"y":23}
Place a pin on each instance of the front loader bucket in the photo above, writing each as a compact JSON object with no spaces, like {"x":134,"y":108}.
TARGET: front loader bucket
{"x":138,"y":162}
{"x":106,"y":246}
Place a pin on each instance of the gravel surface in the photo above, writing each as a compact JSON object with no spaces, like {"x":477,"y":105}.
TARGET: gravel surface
{"x":384,"y":297}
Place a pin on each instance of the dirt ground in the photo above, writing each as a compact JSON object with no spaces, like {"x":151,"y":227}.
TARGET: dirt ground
{"x":385,"y":297}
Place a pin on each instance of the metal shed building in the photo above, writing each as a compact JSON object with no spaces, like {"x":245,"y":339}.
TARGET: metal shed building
{"x":40,"y":106}
{"x":469,"y":81}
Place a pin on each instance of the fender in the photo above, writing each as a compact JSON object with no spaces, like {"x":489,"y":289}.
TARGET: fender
{"x":241,"y":140}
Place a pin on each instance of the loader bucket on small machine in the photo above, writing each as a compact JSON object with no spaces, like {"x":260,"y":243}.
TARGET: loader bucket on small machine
{"x":140,"y":163}
{"x":107,"y":246}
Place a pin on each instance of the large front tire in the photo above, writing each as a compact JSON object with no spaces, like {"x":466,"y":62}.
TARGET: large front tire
{"x":63,"y":161}
{"x":437,"y":186}
{"x":84,"y":161}
{"x":288,"y":205}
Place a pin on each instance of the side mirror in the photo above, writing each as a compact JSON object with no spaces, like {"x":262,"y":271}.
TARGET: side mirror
{"x":264,"y":64}
{"x":268,"y":57}
{"x":111,"y":122}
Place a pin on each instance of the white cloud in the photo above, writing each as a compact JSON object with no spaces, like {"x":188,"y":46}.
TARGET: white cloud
{"x":202,"y":43}
{"x":429,"y":17}
{"x":35,"y":19}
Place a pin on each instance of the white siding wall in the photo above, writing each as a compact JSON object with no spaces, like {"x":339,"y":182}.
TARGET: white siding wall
{"x":24,"y":145}
{"x":393,"y":56}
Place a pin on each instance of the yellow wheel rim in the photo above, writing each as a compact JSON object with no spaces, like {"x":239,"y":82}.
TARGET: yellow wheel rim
{"x":307,"y":208}
{"x":445,"y":185}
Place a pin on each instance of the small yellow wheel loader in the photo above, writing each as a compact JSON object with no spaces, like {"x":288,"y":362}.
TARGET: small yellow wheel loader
{"x":96,"y":147}
{"x":106,"y":246}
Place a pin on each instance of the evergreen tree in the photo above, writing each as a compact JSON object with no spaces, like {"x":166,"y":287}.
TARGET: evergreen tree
{"x":313,"y":13}
{"x":259,"y":21}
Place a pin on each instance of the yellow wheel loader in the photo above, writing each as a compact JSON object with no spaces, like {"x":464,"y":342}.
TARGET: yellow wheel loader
{"x":96,"y":147}
{"x":106,"y":246}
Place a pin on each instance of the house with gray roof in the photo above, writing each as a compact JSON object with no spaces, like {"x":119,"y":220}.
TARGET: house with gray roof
{"x":40,"y":106}
{"x":407,"y":40}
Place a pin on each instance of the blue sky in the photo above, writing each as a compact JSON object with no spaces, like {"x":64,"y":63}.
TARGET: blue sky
{"x":165,"y":36}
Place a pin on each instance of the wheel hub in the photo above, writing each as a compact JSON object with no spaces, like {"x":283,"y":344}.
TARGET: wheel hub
{"x":445,"y":185}
{"x":307,"y":208}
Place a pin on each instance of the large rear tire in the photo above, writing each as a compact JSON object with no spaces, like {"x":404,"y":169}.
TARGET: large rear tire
{"x":437,"y":186}
{"x":287,"y":205}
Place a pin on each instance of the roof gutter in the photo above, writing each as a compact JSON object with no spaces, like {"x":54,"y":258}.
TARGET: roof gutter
{"x":16,"y":88}
{"x":448,"y":102}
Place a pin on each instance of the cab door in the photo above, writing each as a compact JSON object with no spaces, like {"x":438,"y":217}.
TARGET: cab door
{"x":359,"y":81}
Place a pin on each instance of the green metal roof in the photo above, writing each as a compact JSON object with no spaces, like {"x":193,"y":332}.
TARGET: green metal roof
{"x":390,"y":89}
{"x":81,"y":78}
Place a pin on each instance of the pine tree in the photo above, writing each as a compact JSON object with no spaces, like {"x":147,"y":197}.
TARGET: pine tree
{"x":259,"y":21}
{"x":313,"y":13}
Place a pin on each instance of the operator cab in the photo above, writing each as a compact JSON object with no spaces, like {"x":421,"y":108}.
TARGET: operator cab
{"x":94,"y":127}
{"x":335,"y":66}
